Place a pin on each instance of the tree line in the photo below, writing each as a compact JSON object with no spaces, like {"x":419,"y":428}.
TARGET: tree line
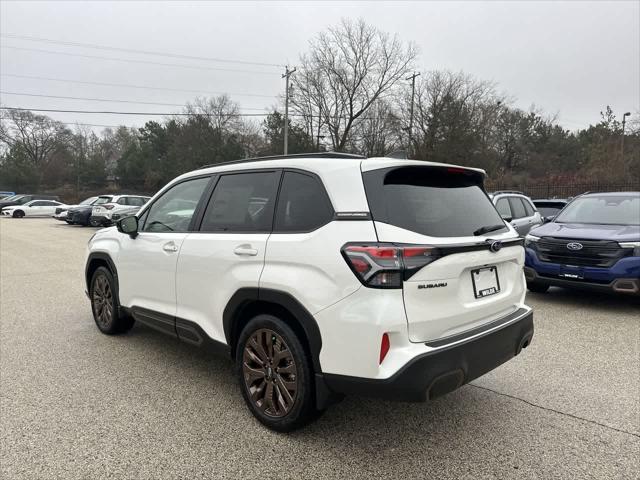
{"x":349,"y":94}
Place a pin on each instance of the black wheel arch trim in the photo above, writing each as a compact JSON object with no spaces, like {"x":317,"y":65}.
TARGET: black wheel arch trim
{"x":103,"y":257}
{"x":244,"y":296}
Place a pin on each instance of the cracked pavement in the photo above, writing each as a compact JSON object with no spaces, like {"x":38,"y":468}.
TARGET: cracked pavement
{"x":78,"y":404}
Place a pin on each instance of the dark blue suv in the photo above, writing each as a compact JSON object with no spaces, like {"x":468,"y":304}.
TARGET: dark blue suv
{"x":594,"y":242}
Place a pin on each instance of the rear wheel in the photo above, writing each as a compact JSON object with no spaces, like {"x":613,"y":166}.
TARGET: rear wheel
{"x":538,"y":287}
{"x":275,"y":373}
{"x":18,"y":214}
{"x":104,"y":304}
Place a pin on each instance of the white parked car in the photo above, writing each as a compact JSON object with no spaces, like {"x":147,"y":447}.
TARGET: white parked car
{"x":34,"y":208}
{"x":322,"y":275}
{"x":102,"y":213}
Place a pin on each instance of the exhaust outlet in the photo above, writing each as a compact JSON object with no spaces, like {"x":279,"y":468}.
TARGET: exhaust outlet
{"x":524,"y":343}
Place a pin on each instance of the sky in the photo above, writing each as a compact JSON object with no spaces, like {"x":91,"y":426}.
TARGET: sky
{"x":568,"y":59}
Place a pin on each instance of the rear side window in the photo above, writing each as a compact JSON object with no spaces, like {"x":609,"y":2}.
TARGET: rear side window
{"x":242,"y":202}
{"x":303,"y":204}
{"x":517,"y":207}
{"x":102,"y":200}
{"x":136,"y":201}
{"x":503,"y":207}
{"x":433,"y":201}
{"x":528,"y":207}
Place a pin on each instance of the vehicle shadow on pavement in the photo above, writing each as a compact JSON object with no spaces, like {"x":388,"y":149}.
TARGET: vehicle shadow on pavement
{"x":471,"y":429}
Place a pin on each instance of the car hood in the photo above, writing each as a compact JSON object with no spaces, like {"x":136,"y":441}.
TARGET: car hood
{"x":583,"y":231}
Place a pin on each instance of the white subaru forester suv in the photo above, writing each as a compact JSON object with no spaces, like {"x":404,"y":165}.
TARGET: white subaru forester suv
{"x":322,"y":275}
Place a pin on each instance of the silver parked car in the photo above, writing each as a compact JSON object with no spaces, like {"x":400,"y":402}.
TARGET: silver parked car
{"x":518,"y":209}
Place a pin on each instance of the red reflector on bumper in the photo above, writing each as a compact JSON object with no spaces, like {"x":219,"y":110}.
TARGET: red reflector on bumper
{"x":384,"y":346}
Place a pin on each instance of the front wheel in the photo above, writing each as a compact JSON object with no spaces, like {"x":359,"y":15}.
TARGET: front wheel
{"x":276,"y":377}
{"x":538,"y":287}
{"x":18,"y":214}
{"x":104,"y":304}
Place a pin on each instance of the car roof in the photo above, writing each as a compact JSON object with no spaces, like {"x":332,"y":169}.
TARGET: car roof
{"x":609,"y":194}
{"x":339,"y":172}
{"x":324,"y":161}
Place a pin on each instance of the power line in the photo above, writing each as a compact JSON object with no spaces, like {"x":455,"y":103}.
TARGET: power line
{"x":170,"y":114}
{"x":144,"y":52}
{"x":111,"y":112}
{"x":65,"y":80}
{"x":146,"y":62}
{"x":109,"y":100}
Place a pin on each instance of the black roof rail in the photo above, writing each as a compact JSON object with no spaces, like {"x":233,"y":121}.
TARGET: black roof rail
{"x":294,"y":155}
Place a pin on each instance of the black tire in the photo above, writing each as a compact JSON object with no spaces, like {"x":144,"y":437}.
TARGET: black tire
{"x":538,"y":287}
{"x":104,"y":304}
{"x":292,"y":358}
{"x":18,"y":214}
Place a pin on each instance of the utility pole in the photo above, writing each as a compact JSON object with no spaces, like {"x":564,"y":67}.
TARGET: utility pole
{"x":287,"y":74}
{"x":413,"y":94}
{"x":624,"y":121}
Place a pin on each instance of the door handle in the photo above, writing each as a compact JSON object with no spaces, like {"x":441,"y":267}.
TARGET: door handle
{"x":170,"y":247}
{"x":245,"y":250}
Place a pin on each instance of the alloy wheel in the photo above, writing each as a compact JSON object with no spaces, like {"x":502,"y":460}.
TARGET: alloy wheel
{"x":102,"y":301}
{"x":270,"y":373}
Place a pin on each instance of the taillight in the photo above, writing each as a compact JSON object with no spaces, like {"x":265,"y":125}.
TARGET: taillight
{"x":380,"y":265}
{"x":108,"y":206}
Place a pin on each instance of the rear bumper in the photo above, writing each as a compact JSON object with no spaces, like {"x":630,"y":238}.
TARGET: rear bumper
{"x":444,"y":369}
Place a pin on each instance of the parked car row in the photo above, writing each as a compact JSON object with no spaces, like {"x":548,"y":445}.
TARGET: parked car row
{"x":103,"y":210}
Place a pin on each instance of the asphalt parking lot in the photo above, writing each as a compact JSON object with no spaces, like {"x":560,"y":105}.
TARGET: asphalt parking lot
{"x":79,"y":404}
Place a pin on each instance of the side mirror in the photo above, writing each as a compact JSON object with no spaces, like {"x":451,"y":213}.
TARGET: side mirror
{"x":128,"y":225}
{"x":506,"y":218}
{"x":548,"y":219}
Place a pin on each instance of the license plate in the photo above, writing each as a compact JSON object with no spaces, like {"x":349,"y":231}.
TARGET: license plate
{"x":485,"y":281}
{"x":571,"y":272}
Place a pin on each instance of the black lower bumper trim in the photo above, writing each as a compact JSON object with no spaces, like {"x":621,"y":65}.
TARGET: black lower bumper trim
{"x":615,"y":286}
{"x":439,"y":372}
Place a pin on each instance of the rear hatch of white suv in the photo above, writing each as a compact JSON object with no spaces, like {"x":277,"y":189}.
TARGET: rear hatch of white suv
{"x":442,"y":241}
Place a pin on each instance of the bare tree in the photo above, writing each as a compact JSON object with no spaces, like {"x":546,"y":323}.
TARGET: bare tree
{"x":221,"y":112}
{"x":38,"y":136}
{"x":379,"y":133}
{"x":454,"y":116}
{"x":347,"y":69}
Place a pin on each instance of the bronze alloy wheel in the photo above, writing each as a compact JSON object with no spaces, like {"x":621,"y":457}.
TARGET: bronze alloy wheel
{"x":102,"y":301}
{"x":270,"y":373}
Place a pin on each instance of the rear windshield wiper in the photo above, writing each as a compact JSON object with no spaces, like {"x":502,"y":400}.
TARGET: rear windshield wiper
{"x":490,"y":228}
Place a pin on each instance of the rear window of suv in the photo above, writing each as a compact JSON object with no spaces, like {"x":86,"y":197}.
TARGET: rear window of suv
{"x":433,"y":201}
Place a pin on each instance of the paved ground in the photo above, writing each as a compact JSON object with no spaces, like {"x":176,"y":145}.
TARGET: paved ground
{"x":78,"y":404}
